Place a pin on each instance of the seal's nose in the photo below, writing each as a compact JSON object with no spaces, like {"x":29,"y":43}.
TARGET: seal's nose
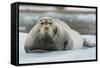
{"x":46,"y":28}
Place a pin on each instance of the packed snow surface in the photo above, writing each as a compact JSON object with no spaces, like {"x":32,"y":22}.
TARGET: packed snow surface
{"x":85,"y":53}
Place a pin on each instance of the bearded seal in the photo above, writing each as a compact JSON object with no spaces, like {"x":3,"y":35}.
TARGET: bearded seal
{"x":53,"y":34}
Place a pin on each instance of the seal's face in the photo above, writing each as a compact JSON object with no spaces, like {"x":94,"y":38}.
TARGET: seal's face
{"x":46,"y":25}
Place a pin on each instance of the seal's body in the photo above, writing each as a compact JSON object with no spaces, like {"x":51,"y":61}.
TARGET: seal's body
{"x":52,"y":34}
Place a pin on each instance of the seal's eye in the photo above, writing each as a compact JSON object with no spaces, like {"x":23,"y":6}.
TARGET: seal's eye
{"x":50,"y":23}
{"x":41,"y":23}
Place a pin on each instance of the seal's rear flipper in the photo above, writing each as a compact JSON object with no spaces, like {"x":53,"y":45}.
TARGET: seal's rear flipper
{"x":89,"y":43}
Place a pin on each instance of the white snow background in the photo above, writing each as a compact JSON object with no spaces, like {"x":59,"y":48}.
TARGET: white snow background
{"x":85,"y":53}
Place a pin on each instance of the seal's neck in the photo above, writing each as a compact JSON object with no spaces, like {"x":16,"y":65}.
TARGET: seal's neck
{"x":46,"y":38}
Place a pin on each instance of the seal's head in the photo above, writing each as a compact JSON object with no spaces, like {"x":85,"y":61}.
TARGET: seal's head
{"x":46,"y":25}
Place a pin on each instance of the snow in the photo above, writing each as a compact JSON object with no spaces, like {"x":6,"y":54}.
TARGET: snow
{"x":56,"y":56}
